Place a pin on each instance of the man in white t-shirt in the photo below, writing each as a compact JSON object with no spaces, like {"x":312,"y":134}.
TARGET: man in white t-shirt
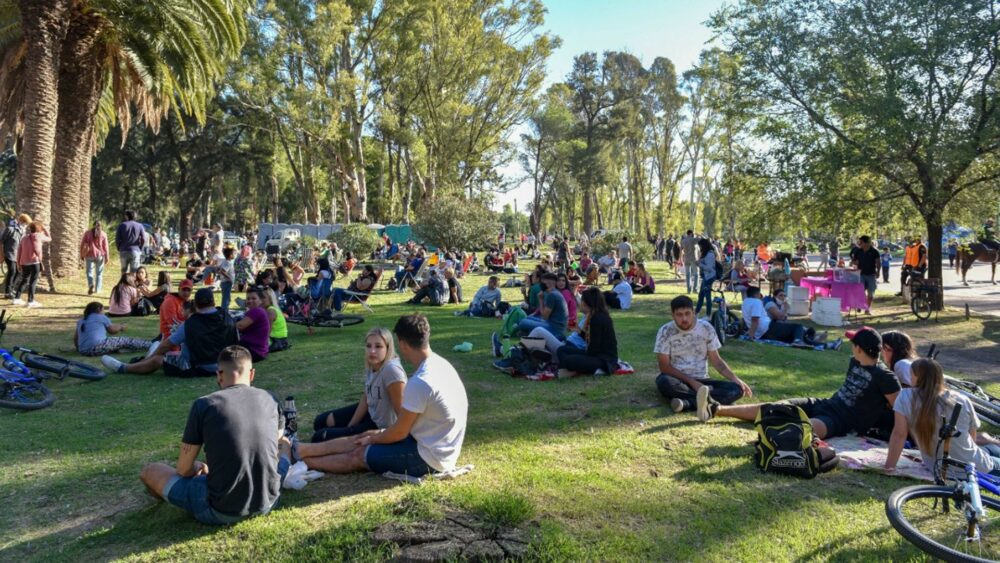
{"x":760,"y":325}
{"x":428,"y":433}
{"x":620,"y":296}
{"x":683,"y":349}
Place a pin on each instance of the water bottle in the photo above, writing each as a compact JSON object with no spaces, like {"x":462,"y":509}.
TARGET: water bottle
{"x":291,"y":416}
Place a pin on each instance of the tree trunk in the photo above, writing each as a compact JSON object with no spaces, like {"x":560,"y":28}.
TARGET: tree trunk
{"x":80,"y":86}
{"x":44,"y":25}
{"x":935,"y":229}
{"x":274,"y":198}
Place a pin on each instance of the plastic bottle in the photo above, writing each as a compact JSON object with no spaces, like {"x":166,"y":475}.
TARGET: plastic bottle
{"x":291,"y":416}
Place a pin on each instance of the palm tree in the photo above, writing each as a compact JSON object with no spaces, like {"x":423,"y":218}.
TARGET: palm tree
{"x":116,"y":57}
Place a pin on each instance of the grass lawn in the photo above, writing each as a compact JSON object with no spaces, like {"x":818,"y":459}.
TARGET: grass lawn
{"x":599,"y":464}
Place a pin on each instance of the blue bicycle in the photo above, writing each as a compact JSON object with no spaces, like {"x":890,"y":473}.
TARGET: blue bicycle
{"x":21,"y":386}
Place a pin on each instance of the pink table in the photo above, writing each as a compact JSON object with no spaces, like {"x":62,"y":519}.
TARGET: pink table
{"x":852,"y":295}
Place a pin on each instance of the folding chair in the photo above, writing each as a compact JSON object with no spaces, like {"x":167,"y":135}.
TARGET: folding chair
{"x":361,"y":297}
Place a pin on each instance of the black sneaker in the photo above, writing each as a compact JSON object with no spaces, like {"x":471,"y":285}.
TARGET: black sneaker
{"x":706,"y":404}
{"x":505,"y":365}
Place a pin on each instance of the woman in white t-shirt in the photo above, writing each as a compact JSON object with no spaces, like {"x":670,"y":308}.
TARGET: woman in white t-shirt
{"x":898,"y":353}
{"x":919,"y":410}
{"x":379,"y":405}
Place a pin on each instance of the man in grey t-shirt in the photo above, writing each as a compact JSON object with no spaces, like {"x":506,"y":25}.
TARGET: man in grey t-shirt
{"x":689,"y":253}
{"x":624,"y":252}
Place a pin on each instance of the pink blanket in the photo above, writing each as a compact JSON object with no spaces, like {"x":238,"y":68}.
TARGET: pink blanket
{"x":869,"y":454}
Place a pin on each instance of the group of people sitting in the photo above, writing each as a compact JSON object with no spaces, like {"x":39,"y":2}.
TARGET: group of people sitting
{"x":405,"y":425}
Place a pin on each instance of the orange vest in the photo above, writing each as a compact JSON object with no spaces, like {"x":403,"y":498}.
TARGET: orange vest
{"x":912,"y":256}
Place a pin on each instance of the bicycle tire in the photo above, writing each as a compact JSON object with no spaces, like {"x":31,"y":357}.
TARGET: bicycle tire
{"x":338,"y":321}
{"x":25,"y":396}
{"x":894,"y":511}
{"x":921,"y":307}
{"x":63,"y":367}
{"x":719,"y":324}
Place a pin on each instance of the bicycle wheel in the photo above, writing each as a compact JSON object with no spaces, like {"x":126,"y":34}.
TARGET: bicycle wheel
{"x":338,"y":321}
{"x":918,"y":514}
{"x":63,"y":367}
{"x":25,"y":395}
{"x":299,"y":320}
{"x":719,"y":324}
{"x":921,"y":307}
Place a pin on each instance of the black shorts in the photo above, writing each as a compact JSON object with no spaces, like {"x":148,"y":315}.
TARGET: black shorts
{"x":174,"y":365}
{"x":820,"y":409}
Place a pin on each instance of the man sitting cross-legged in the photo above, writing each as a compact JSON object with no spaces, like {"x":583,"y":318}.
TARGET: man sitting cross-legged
{"x":683,"y":349}
{"x":868,"y":393}
{"x":201,"y":337}
{"x":485,"y":302}
{"x":428,"y":433}
{"x":240,"y":428}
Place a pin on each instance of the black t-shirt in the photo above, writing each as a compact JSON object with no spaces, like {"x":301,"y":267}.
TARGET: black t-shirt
{"x":860,"y":401}
{"x":453,"y":284}
{"x":868,"y":261}
{"x":238,"y":428}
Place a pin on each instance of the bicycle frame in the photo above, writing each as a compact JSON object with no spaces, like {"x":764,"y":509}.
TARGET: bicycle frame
{"x":966,"y":496}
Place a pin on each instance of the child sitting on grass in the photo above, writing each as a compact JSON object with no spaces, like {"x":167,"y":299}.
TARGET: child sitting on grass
{"x":91,"y":335}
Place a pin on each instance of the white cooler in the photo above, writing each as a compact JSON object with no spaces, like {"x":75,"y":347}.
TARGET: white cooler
{"x":798,"y":308}
{"x":826,"y":311}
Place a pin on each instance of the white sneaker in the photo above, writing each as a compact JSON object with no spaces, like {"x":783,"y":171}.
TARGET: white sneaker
{"x":152,"y":348}
{"x":17,"y":302}
{"x":678,"y":405}
{"x":34,"y":304}
{"x":112,"y":364}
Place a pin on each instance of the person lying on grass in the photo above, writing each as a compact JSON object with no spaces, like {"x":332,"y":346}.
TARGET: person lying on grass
{"x":241,"y":429}
{"x":380,"y":404}
{"x":91,"y":335}
{"x":201,"y":338}
{"x":760,"y":325}
{"x":428,"y":433}
{"x":918,"y":413}
{"x":684,"y":347}
{"x":868,"y":392}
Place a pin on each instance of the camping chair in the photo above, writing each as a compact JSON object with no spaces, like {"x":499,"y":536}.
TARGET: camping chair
{"x":411,"y":277}
{"x":465,"y":265}
{"x":361,"y":297}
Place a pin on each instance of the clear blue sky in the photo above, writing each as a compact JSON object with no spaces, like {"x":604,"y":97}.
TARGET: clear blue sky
{"x":646,"y":28}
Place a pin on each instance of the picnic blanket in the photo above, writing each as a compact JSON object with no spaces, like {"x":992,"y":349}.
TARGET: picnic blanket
{"x":817,"y":347}
{"x":868,"y":454}
{"x":457,"y":472}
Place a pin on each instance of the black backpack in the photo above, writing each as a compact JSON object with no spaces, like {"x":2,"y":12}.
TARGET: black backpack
{"x":528,"y":362}
{"x":785,"y":443}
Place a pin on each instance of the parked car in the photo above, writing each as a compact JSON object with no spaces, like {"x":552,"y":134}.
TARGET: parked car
{"x":282,"y":241}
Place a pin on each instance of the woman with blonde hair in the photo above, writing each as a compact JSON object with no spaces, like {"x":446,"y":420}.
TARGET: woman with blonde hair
{"x":919,"y":411}
{"x":380,"y":404}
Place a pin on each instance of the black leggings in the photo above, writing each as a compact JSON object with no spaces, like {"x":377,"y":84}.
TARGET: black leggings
{"x":341,"y":417}
{"x":10,"y":280}
{"x":575,"y":359}
{"x":29,"y":277}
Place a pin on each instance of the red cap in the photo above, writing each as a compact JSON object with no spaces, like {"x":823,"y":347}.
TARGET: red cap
{"x":186,"y":283}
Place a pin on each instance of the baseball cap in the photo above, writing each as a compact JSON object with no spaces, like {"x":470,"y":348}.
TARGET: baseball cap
{"x":186,"y":284}
{"x":866,"y":338}
{"x":204,"y":297}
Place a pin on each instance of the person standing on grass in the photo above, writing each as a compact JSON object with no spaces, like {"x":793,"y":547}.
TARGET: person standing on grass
{"x":129,"y":239}
{"x":428,"y":433}
{"x":684,"y":348}
{"x":688,"y":246}
{"x":11,"y":240}
{"x":866,"y":396}
{"x":624,"y":252}
{"x":95,"y":254}
{"x":29,"y":263}
{"x":868,"y":262}
{"x":246,"y":455}
{"x":886,"y":263}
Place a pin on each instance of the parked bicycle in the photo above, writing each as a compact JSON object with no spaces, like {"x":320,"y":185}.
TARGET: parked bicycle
{"x":21,"y":380}
{"x":724,"y":321}
{"x":304,"y":313}
{"x":923,"y":514}
{"x":923,"y":297}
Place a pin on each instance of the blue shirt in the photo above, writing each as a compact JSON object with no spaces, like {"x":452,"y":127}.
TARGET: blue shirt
{"x":91,"y":331}
{"x":558,"y":312}
{"x":177,"y":339}
{"x":130,"y":236}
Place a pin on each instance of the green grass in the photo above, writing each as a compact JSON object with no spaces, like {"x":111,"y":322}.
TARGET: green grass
{"x":601,"y":465}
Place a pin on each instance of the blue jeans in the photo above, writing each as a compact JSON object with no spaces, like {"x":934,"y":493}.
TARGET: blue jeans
{"x":338,"y":298}
{"x":529,"y":324}
{"x":227,"y":292}
{"x":95,"y":279}
{"x":691,"y":277}
{"x":191,"y":494}
{"x":130,"y":260}
{"x":399,"y":457}
{"x":705,"y":297}
{"x":994,"y":451}
{"x":724,"y":391}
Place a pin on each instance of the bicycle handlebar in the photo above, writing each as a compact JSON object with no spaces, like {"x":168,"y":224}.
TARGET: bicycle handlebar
{"x":949,"y":429}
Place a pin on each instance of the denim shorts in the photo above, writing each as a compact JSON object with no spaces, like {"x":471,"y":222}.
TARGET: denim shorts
{"x":398,"y":457}
{"x":870,"y":283}
{"x":191,"y":494}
